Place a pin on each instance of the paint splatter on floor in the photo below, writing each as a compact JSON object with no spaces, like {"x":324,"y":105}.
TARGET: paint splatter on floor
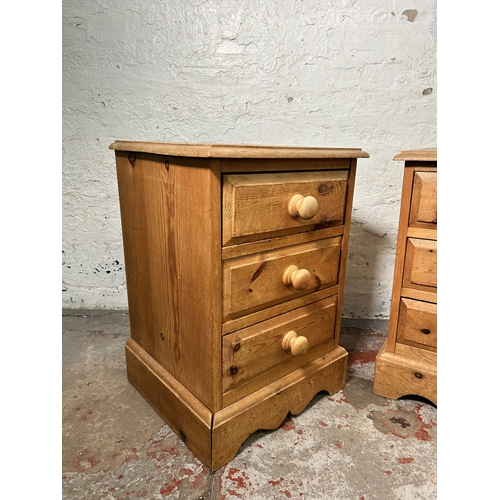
{"x":349,"y":445}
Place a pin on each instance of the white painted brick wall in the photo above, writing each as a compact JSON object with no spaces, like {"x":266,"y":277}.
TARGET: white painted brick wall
{"x":352,"y":73}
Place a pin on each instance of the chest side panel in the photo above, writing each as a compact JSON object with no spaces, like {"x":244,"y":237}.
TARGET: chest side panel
{"x":171,"y":225}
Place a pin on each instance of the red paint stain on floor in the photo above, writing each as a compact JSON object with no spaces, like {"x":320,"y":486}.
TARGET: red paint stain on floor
{"x":167,"y":488}
{"x":84,"y":460}
{"x":132,"y":456}
{"x":342,"y":399}
{"x":221,"y":496}
{"x":288,"y":426}
{"x":240,"y":480}
{"x":361,"y":358}
{"x":199,"y":480}
{"x":422,"y":434}
{"x":156,"y":450}
{"x":323,"y":424}
{"x":286,"y":493}
{"x":275,"y":483}
{"x":405,"y":460}
{"x":394,"y":432}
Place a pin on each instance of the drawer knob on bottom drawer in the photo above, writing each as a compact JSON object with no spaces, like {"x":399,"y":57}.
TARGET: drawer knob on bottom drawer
{"x":298,"y":278}
{"x":304,"y":207}
{"x":296,"y":345}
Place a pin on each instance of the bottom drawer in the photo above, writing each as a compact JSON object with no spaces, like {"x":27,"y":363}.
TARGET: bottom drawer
{"x":417,"y":323}
{"x":255,"y":351}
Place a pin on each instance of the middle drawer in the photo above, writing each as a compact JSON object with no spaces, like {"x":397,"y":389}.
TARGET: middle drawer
{"x":260,"y":280}
{"x":420,"y":269}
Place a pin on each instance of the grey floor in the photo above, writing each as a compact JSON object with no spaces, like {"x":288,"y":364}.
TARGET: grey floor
{"x":353,"y":445}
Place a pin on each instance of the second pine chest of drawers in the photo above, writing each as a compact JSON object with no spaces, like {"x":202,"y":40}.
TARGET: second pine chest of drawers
{"x":235,"y":260}
{"x":407,"y":363}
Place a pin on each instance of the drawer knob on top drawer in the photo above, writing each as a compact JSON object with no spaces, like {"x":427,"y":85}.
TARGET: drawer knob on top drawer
{"x":303,"y":207}
{"x":295,"y":344}
{"x":298,"y":278}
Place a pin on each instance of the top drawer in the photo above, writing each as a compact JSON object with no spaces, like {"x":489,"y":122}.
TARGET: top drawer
{"x":259,"y":206}
{"x":423,"y":211}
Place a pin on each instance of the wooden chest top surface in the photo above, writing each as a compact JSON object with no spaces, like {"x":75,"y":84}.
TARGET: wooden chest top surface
{"x":429,"y":154}
{"x":236,"y":151}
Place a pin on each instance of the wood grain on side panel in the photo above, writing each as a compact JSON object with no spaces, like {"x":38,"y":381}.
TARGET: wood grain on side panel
{"x":170,"y":213}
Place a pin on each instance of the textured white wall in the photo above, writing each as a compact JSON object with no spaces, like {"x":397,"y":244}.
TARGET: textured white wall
{"x":352,"y":73}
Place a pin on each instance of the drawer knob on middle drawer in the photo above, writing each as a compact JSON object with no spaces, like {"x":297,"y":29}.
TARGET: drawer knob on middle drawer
{"x":295,"y":344}
{"x":303,"y":207}
{"x":298,"y":278}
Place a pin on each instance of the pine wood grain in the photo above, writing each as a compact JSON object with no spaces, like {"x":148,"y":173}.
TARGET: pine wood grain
{"x":233,"y":251}
{"x":173,"y":265}
{"x":420,"y":270}
{"x":257,"y":349}
{"x":423,"y":212}
{"x":425,"y":295}
{"x":345,"y":243}
{"x":255,"y":206}
{"x":231,"y":325}
{"x":235,"y":151}
{"x":256,"y":281}
{"x":186,"y":416}
{"x":424,"y":234}
{"x":420,"y":155}
{"x":276,"y":373}
{"x":401,"y":375}
{"x":418,"y":323}
{"x":397,"y":281}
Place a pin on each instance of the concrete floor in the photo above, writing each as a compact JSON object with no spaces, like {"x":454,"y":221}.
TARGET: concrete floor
{"x":353,"y":445}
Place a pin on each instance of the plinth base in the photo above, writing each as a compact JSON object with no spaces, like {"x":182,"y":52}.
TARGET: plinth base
{"x":215,"y":438}
{"x":408,"y":371}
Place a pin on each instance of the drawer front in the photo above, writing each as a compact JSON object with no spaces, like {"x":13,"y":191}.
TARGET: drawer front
{"x":420,"y":270}
{"x":417,"y":323}
{"x":256,"y":281}
{"x":259,"y":206}
{"x":423,"y":211}
{"x":255,"y":350}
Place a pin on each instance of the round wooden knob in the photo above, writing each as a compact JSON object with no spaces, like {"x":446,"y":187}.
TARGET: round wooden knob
{"x":298,"y":278}
{"x":303,"y":207}
{"x":295,"y":344}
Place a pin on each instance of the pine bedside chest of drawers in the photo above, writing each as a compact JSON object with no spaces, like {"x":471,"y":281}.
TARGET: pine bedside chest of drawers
{"x":235,"y":260}
{"x":407,"y":363}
